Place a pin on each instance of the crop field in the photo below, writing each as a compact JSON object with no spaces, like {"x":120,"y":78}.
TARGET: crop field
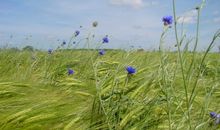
{"x":87,"y":82}
{"x":36,"y":91}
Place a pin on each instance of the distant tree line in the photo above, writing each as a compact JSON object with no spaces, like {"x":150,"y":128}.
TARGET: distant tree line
{"x":31,"y":48}
{"x":26,"y":48}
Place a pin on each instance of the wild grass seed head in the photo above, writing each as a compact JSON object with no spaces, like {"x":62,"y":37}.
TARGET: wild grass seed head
{"x":95,"y":24}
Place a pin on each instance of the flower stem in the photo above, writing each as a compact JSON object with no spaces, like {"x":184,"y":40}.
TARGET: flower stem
{"x":181,"y":65}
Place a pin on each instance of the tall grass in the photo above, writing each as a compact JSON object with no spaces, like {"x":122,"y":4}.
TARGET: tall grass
{"x":171,"y":90}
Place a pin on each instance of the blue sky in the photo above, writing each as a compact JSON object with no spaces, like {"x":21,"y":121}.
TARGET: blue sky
{"x":127,"y":22}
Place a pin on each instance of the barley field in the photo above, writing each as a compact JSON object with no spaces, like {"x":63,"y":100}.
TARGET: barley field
{"x":83,"y":85}
{"x":37,"y":93}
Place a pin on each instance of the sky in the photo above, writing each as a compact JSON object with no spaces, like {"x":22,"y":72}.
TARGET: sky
{"x":45,"y":23}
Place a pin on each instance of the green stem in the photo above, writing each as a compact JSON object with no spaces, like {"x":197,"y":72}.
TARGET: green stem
{"x":192,"y":96}
{"x":195,"y":46}
{"x":164,"y":77}
{"x":181,"y":64}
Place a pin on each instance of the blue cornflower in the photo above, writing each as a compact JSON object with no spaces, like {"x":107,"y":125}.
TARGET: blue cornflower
{"x":105,"y":39}
{"x":167,"y":20}
{"x":131,"y":70}
{"x":213,"y":114}
{"x":50,"y":51}
{"x":216,"y":117}
{"x":70,"y":71}
{"x":102,"y":52}
{"x":77,"y":32}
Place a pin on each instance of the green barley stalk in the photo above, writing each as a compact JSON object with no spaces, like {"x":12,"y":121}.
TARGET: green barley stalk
{"x":181,"y":64}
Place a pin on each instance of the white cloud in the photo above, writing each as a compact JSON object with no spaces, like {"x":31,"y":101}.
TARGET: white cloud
{"x":133,"y":3}
{"x":217,"y":20}
{"x":189,"y":17}
{"x":216,"y":12}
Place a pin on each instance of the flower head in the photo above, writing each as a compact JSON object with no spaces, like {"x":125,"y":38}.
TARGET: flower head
{"x":70,"y":71}
{"x":95,"y":24}
{"x":50,"y":51}
{"x":101,"y":52}
{"x":131,"y":70}
{"x":197,"y":8}
{"x":105,"y":39}
{"x":77,"y":32}
{"x":64,"y":43}
{"x":213,"y":114}
{"x":217,"y":119}
{"x":167,"y":20}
